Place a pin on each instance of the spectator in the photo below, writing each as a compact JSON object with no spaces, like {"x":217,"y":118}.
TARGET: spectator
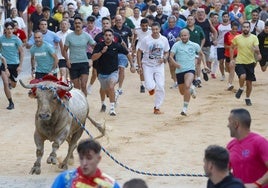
{"x":160,"y":17}
{"x":216,"y":162}
{"x":248,"y":150}
{"x":87,"y":174}
{"x":135,"y":183}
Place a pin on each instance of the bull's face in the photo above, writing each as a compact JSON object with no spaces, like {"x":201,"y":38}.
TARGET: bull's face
{"x":47,"y":103}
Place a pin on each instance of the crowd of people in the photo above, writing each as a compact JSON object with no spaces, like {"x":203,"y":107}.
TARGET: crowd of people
{"x":195,"y":38}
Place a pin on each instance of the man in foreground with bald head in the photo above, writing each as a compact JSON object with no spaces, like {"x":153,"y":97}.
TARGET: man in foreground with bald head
{"x":184,"y":52}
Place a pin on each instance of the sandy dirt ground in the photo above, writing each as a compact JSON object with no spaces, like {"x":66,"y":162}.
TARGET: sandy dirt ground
{"x":167,"y":143}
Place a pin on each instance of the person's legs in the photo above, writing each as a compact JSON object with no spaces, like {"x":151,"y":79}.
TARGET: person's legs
{"x":231,"y":68}
{"x":112,"y":81}
{"x":121,"y":79}
{"x":188,"y":79}
{"x":159,"y":77}
{"x":92,"y":80}
{"x":148,"y":78}
{"x":83,"y":82}
{"x":7,"y":90}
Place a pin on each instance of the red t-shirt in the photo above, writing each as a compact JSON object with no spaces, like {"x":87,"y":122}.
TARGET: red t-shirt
{"x":228,"y":38}
{"x":21,"y":34}
{"x":31,"y":9}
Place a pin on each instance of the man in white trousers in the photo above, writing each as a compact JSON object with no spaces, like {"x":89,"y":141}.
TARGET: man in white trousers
{"x":155,"y":49}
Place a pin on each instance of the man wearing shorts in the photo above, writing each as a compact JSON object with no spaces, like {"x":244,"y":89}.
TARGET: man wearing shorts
{"x":77,"y":62}
{"x":64,"y":31}
{"x":184,"y":52}
{"x":11,"y":49}
{"x":247,"y":45}
{"x":106,"y":54}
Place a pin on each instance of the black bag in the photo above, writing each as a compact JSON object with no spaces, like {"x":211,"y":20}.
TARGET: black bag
{"x":254,"y":30}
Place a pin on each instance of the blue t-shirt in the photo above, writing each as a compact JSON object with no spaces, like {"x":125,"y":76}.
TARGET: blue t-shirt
{"x":171,"y":34}
{"x":179,"y":23}
{"x":50,"y":37}
{"x":43,"y":57}
{"x":78,"y":46}
{"x":9,"y":48}
{"x":185,"y":55}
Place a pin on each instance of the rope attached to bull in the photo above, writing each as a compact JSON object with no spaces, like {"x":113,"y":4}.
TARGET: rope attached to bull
{"x":113,"y":158}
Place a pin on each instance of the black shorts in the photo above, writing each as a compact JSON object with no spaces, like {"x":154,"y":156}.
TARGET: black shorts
{"x":62,"y":63}
{"x":227,"y":59}
{"x":220,"y":53}
{"x":77,"y":69}
{"x":13,"y":72}
{"x":263,"y":61}
{"x":39,"y":75}
{"x":247,"y":69}
{"x":89,"y":55}
{"x":180,"y":76}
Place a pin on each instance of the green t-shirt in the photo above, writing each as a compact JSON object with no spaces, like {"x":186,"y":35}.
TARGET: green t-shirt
{"x":78,"y":46}
{"x":9,"y":48}
{"x":197,"y":35}
{"x":43,"y":57}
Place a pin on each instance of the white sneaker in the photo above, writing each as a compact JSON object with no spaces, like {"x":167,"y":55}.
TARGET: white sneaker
{"x":193,"y":92}
{"x":112,"y":112}
{"x":222,"y":77}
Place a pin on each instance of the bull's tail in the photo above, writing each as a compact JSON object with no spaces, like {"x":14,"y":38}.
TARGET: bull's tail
{"x":98,"y":126}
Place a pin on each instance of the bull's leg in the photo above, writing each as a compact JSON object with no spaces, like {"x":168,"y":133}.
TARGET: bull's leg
{"x":71,"y":148}
{"x":39,"y":142}
{"x":53,"y":156}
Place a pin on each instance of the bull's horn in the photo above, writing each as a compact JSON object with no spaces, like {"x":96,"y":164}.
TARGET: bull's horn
{"x":29,"y":86}
{"x":66,"y":88}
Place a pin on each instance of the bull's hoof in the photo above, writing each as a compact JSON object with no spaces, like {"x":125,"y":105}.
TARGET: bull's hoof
{"x":63,"y":166}
{"x":51,"y":160}
{"x":35,"y":170}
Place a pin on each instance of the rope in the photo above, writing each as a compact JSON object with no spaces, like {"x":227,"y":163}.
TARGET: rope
{"x":113,"y":158}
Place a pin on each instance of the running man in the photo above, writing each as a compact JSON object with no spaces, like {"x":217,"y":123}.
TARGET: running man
{"x":44,"y":59}
{"x":155,"y":49}
{"x":247,"y":45}
{"x":106,"y":54}
{"x":78,"y":63}
{"x":11,"y":49}
{"x":184,"y":52}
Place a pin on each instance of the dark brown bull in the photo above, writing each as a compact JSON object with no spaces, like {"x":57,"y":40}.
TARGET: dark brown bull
{"x":54,"y":123}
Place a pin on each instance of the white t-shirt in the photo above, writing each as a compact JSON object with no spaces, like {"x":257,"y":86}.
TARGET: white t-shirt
{"x":62,"y":37}
{"x":153,"y":49}
{"x":136,"y":22}
{"x":141,"y":35}
{"x":260,"y":26}
{"x":21,"y":23}
{"x":222,"y":30}
{"x":104,"y":12}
